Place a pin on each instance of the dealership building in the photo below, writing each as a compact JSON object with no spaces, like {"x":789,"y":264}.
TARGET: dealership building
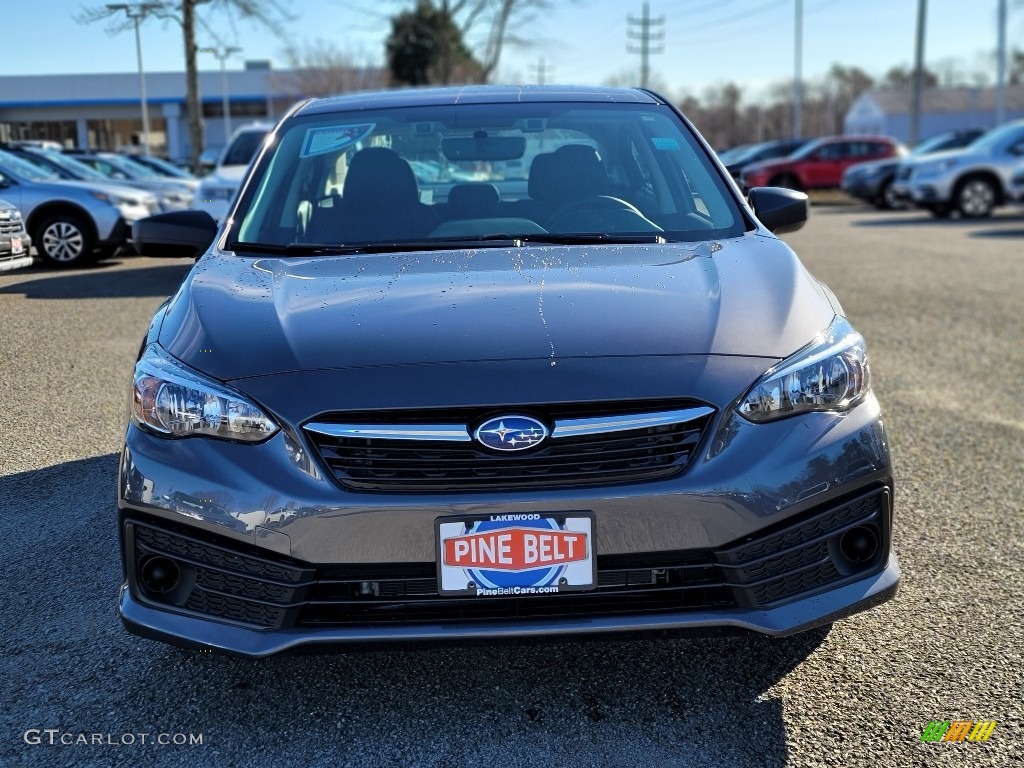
{"x":103,"y":111}
{"x":887,"y":111}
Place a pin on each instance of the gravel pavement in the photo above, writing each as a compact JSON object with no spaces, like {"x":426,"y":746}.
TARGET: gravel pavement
{"x":940,"y":306}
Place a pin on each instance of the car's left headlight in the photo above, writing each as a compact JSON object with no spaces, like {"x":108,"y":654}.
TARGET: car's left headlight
{"x":176,"y":401}
{"x":830,"y":374}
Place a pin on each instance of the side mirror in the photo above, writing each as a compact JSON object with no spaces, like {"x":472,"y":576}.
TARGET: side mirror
{"x":778,"y":209}
{"x":178,"y":234}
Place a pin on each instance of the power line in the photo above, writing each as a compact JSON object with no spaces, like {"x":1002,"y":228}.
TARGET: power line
{"x":651,"y":37}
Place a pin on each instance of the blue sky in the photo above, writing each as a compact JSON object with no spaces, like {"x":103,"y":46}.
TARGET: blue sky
{"x":582,"y":41}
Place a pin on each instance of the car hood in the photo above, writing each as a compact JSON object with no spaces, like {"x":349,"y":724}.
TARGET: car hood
{"x":767,"y":165}
{"x":237,"y":317}
{"x":226,"y":174}
{"x":960,"y":155}
{"x":874,"y":165}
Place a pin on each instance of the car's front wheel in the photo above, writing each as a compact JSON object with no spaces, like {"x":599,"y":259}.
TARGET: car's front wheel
{"x":887,"y":199}
{"x":64,"y":240}
{"x":975,"y":198}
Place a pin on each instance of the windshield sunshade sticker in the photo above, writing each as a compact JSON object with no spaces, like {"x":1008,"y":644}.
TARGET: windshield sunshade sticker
{"x":320,"y":141}
{"x":664,"y":143}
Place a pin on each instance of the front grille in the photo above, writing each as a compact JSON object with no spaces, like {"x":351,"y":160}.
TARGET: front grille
{"x":424,"y":466}
{"x":8,"y":227}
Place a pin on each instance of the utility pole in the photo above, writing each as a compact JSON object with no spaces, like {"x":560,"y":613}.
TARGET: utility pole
{"x":222,"y":55}
{"x":915,"y":107}
{"x":798,"y":65}
{"x":446,"y":43}
{"x":1001,"y":66}
{"x":650,"y":36}
{"x":137,"y":13}
{"x":541,"y":71}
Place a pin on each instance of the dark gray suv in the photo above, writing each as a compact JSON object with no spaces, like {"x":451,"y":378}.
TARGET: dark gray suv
{"x":568,"y":383}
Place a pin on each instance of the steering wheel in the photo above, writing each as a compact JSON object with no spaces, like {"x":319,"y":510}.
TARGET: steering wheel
{"x":591,"y":214}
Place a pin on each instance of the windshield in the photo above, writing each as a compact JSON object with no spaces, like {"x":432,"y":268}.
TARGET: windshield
{"x":165,"y":167}
{"x":130,"y":167}
{"x":485,"y":172}
{"x":78,"y":169}
{"x":25,"y":169}
{"x":997,"y":137}
{"x":243,"y":148}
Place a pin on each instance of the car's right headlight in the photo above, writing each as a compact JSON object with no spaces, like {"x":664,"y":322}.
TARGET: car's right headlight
{"x":830,"y":374}
{"x":118,"y":201}
{"x":176,"y":401}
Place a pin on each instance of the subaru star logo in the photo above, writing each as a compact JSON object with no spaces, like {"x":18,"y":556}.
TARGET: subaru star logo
{"x":511,"y":433}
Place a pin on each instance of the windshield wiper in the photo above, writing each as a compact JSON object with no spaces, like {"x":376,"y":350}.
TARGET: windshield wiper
{"x":317,"y":249}
{"x":485,"y":241}
{"x":583,"y":238}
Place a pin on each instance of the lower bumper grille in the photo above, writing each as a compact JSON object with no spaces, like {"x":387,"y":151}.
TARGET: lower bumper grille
{"x":223,"y":581}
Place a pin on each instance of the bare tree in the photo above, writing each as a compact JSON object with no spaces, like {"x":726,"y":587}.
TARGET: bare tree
{"x":320,"y":68}
{"x":269,"y":13}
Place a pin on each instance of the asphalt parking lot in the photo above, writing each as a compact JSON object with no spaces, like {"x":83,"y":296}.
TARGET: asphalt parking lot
{"x":939,"y":304}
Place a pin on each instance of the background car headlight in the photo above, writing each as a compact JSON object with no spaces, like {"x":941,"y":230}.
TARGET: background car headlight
{"x":176,"y":401}
{"x":830,"y":374}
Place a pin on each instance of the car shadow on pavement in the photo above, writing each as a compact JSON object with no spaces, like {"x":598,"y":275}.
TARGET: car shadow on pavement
{"x":999,"y":233}
{"x":100,"y":283}
{"x":68,"y":663}
{"x":911,"y":220}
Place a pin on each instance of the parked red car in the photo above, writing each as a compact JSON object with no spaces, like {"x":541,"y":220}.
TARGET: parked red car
{"x":820,"y":164}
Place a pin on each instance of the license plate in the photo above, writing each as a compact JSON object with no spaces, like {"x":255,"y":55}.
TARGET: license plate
{"x":17,"y":246}
{"x":515,"y":555}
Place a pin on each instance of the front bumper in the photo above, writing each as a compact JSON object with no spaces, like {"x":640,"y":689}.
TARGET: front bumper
{"x":276,"y":555}
{"x":10,"y":260}
{"x":864,"y":188}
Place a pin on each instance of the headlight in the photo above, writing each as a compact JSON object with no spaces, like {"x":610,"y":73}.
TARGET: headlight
{"x":115,"y":200}
{"x":215,"y":193}
{"x":830,"y":374}
{"x":178,"y":402}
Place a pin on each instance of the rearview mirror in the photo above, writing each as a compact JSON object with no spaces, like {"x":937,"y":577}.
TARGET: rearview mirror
{"x":484,"y":148}
{"x":178,"y":234}
{"x":778,"y":209}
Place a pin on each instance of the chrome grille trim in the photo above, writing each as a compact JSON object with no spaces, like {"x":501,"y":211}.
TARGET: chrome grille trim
{"x":600,"y":425}
{"x":459,"y":433}
{"x":455,"y":433}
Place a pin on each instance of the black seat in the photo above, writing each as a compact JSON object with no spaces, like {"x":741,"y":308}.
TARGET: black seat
{"x":380,"y":201}
{"x":473,"y":201}
{"x":572,"y":172}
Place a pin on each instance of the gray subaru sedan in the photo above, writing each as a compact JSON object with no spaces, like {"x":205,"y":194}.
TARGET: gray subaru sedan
{"x":483,"y":362}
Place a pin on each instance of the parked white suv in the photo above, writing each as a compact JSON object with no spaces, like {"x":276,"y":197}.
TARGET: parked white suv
{"x":218,"y":189}
{"x":973,"y":180}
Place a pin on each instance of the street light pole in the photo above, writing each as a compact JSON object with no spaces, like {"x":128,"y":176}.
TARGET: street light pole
{"x":137,"y":13}
{"x":222,"y":55}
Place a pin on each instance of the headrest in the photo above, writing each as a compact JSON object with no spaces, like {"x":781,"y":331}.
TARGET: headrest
{"x":379,"y":177}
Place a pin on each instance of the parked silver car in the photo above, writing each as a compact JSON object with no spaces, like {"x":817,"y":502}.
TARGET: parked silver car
{"x":1016,"y":191}
{"x":973,"y":180}
{"x":14,"y":241}
{"x":71,"y":221}
{"x":174,"y":194}
{"x":217,"y":190}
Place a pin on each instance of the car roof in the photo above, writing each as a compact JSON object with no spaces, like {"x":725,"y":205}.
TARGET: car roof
{"x":474,"y":94}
